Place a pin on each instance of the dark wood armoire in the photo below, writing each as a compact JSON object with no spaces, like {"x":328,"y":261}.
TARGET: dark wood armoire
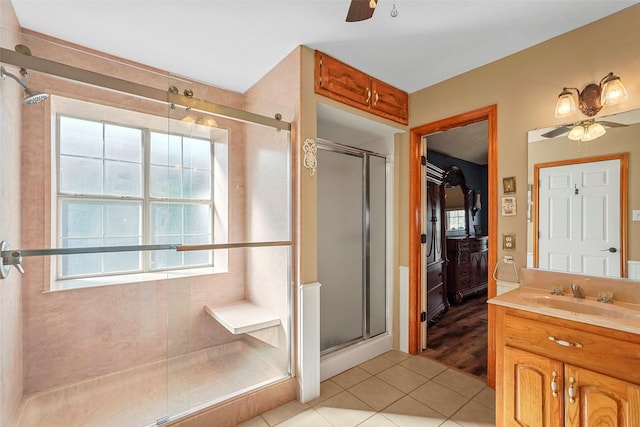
{"x":435,"y":251}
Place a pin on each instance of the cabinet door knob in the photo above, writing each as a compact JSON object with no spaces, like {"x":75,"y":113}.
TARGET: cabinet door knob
{"x":571,"y":391}
{"x":554,"y":384}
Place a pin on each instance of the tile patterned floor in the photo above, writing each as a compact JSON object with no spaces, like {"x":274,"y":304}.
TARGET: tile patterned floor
{"x":392,"y":390}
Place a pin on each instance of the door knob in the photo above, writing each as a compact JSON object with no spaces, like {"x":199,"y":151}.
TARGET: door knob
{"x":612,"y":250}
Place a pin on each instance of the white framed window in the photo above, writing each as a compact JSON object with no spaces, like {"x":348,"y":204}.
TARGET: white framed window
{"x":126,"y":181}
{"x":456,"y":220}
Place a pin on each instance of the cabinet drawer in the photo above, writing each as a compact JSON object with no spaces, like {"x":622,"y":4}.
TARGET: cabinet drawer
{"x":610,"y":356}
{"x":478,"y":245}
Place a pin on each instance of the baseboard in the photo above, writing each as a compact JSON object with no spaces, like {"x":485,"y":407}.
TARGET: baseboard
{"x":342,"y":360}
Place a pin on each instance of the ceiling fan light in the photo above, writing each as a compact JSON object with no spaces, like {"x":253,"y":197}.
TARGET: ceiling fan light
{"x":593,"y":131}
{"x":613,"y":91}
{"x":372,"y":4}
{"x":566,"y":105}
{"x":577,"y":133}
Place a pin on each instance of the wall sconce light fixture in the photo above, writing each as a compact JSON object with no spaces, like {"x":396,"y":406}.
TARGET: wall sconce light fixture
{"x":593,"y":97}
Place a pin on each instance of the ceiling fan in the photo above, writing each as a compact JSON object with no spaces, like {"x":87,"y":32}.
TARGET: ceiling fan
{"x":360,"y":10}
{"x":568,"y":127}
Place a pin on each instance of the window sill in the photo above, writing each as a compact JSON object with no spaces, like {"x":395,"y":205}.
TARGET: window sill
{"x":93,"y":282}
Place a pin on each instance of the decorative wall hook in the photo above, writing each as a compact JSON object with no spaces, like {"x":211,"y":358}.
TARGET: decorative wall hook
{"x":310,"y":161}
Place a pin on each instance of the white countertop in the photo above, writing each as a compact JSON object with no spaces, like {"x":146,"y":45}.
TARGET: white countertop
{"x":619,"y":315}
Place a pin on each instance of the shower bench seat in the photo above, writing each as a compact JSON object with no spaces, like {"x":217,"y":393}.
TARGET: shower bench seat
{"x":245,"y":317}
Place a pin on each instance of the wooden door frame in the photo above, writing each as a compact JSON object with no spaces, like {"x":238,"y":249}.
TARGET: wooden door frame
{"x":490,"y":114}
{"x":624,"y":189}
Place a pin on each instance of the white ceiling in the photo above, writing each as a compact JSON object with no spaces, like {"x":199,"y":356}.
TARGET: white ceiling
{"x":233,"y":43}
{"x":468,"y":142}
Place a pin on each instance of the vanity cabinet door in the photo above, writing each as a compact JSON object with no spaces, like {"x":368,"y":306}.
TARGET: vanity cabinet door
{"x":529,"y":384}
{"x":600,"y":400}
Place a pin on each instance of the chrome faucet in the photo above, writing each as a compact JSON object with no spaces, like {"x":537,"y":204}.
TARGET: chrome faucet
{"x":577,"y":291}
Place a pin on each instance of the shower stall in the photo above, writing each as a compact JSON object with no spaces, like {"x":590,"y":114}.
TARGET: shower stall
{"x":352,"y":248}
{"x":152,"y":220}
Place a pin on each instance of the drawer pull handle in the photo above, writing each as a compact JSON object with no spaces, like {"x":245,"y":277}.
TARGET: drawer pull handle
{"x":368,"y":96}
{"x":554,"y":384}
{"x":572,"y":391}
{"x":564,"y":343}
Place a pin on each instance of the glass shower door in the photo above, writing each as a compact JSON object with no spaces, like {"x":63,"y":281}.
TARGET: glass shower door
{"x":340,"y":248}
{"x":351,"y":245}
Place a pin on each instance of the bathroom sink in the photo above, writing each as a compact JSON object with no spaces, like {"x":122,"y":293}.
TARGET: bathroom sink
{"x":586,"y":306}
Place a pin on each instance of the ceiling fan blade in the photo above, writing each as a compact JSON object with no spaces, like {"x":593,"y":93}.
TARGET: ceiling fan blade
{"x":359,"y":10}
{"x":556,"y":132}
{"x":611,"y":124}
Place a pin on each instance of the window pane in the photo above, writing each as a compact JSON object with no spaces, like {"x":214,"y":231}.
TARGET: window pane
{"x":197,"y":219}
{"x":166,"y":219}
{"x":197,"y":184}
{"x":81,"y":264}
{"x":81,"y":219}
{"x":122,"y":143}
{"x":123,"y":219}
{"x":197,"y":257}
{"x":165,"y":182}
{"x":166,"y":259}
{"x":197,"y":154}
{"x":80,"y":137}
{"x":166,"y":149}
{"x":80,"y":175}
{"x":123,"y":179}
{"x":122,"y":262}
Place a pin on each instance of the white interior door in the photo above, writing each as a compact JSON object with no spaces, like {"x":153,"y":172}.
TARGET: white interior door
{"x":579,"y":220}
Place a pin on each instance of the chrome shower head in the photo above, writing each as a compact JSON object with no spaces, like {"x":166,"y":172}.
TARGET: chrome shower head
{"x":30,"y":96}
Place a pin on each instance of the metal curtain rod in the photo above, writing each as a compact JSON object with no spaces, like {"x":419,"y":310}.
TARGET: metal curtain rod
{"x":73,"y":73}
{"x":13,"y":257}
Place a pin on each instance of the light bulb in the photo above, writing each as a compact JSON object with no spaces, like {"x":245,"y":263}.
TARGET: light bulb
{"x":576,"y":133}
{"x":613,"y":91}
{"x":593,"y":131}
{"x":566,"y":105}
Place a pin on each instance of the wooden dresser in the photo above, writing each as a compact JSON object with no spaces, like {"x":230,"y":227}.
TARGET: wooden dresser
{"x":467,"y":269}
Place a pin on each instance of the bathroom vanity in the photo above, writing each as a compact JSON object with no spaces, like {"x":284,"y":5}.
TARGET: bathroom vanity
{"x":565,"y":361}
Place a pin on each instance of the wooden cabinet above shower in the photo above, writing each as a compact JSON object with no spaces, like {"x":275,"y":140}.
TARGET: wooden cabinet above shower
{"x":343,"y":83}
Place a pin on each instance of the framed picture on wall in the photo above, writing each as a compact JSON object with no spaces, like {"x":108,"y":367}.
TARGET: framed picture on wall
{"x":508,"y":206}
{"x":509,"y":185}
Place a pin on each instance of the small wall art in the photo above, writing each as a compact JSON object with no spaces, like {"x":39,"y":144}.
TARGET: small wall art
{"x":508,"y":206}
{"x":509,"y":185}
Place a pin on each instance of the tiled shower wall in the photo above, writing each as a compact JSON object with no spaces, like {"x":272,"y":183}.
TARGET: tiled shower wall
{"x":78,"y":334}
{"x":10,"y":288}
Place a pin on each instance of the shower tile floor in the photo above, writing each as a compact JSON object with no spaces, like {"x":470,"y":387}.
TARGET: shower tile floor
{"x":138,"y":397}
{"x":392,"y":390}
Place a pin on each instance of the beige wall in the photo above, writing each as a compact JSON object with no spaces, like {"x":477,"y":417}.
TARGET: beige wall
{"x":525,"y":87}
{"x":11,"y":366}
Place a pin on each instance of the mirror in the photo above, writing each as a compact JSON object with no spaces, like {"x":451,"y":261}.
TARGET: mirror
{"x":622,"y":136}
{"x":456,"y":202}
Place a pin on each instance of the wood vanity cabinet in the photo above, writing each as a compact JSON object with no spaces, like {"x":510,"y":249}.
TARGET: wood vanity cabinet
{"x":467,"y":269}
{"x":554,"y":372}
{"x":343,"y":83}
